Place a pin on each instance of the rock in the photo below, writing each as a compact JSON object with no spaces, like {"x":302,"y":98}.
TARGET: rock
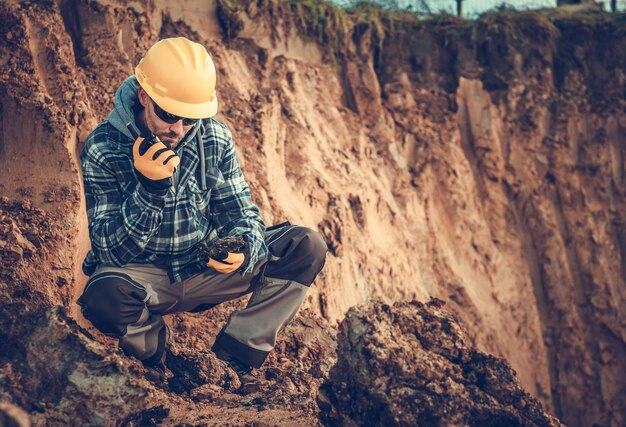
{"x":10,"y":254}
{"x":410,"y":364}
{"x":13,"y":245}
{"x":194,"y":368}
{"x":206,"y":392}
{"x":17,"y":237}
{"x":76,"y":378}
{"x":147,"y":417}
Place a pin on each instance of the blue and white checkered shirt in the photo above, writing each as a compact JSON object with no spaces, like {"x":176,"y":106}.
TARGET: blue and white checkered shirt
{"x":128,"y":224}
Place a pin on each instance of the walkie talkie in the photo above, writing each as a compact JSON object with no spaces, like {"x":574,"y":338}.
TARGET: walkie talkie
{"x":147,"y":140}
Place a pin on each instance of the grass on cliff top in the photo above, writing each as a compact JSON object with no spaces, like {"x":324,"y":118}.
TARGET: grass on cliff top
{"x":332,"y":25}
{"x":577,"y":14}
{"x":320,"y":19}
{"x":522,"y":25}
{"x":321,"y":13}
{"x":519,"y":24}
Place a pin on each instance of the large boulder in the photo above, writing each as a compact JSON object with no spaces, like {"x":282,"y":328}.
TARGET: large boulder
{"x":410,"y":364}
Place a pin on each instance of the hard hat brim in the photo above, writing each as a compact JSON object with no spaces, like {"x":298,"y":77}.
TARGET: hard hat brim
{"x":183,"y":109}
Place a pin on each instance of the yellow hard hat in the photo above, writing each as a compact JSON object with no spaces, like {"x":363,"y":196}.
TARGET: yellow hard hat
{"x":179,"y":75}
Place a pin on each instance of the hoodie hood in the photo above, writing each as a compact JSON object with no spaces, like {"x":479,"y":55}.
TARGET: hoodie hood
{"x":125,"y":106}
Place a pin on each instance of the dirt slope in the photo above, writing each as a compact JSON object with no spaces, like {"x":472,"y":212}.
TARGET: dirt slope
{"x":481,"y":163}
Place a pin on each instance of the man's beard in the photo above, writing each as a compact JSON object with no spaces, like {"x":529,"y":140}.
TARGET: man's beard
{"x":172,"y":140}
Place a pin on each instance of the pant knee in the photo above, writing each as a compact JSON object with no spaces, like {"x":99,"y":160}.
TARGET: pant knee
{"x":111,"y":302}
{"x":300,"y":255}
{"x":313,"y":248}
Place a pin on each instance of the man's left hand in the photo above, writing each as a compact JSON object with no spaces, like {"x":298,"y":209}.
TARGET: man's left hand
{"x":229,"y":264}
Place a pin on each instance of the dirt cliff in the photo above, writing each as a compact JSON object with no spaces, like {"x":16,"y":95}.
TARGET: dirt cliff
{"x":478,"y":162}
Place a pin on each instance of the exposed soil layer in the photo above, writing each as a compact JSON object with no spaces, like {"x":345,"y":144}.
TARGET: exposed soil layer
{"x":32,"y":269}
{"x":479,"y":162}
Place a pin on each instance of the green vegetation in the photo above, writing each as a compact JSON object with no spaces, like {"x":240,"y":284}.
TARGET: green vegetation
{"x":230,"y":5}
{"x":522,"y":27}
{"x":531,"y":32}
{"x":330,"y":24}
{"x":321,"y":20}
{"x":373,"y":15}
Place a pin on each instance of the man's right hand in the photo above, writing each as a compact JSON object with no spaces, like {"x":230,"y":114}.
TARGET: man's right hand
{"x":156,"y":166}
{"x":227,"y":265}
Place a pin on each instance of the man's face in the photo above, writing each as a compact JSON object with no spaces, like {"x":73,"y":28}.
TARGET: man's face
{"x":172,"y":133}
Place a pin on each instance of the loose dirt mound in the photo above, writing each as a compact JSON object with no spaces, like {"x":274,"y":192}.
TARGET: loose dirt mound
{"x":292,"y":373}
{"x":410,"y":364}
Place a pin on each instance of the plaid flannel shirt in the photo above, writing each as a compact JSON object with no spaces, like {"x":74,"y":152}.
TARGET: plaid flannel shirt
{"x":128,"y":224}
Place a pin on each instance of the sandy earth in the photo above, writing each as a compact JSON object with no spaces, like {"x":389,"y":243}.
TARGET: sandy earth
{"x":480,"y":163}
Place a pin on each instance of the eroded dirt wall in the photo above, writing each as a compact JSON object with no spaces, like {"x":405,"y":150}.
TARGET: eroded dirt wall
{"x":539,"y":180}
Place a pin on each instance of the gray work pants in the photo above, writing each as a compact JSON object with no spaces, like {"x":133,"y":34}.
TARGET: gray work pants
{"x":129,"y":302}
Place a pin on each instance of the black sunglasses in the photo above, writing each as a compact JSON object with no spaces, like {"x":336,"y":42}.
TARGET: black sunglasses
{"x":171,"y":118}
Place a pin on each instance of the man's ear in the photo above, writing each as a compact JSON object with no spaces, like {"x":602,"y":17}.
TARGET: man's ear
{"x":142,"y":96}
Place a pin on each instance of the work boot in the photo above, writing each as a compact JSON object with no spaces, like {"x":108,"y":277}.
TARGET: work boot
{"x":155,"y":364}
{"x":249,"y":381}
{"x":155,"y":374}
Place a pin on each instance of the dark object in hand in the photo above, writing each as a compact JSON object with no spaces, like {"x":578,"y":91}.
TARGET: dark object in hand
{"x":148,"y":141}
{"x":220,"y":249}
{"x":161,"y":185}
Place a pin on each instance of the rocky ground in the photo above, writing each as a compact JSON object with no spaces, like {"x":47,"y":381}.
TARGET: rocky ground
{"x":410,"y":364}
{"x":478,"y":162}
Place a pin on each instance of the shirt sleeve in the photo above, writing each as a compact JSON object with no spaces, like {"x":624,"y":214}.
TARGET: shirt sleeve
{"x":234,"y":213}
{"x":119,"y":228}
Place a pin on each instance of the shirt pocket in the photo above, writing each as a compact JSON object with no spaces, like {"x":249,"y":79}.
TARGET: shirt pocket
{"x":198,"y":197}
{"x":213,"y":178}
